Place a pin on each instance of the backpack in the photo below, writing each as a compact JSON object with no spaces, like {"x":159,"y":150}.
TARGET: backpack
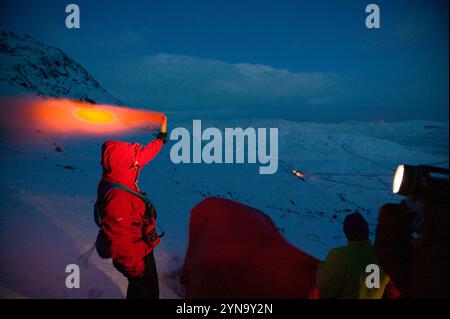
{"x":101,"y":244}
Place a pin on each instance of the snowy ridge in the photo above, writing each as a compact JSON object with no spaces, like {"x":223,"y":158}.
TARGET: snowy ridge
{"x":29,"y":66}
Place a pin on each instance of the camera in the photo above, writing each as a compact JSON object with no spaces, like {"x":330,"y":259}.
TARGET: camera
{"x":429,"y":183}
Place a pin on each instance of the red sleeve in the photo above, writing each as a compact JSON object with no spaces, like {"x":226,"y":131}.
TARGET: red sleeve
{"x":147,"y":153}
{"x":391,"y":292}
{"x":127,"y":247}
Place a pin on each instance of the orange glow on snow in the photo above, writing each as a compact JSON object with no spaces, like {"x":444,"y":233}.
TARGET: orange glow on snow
{"x":297,"y":173}
{"x":64,"y":116}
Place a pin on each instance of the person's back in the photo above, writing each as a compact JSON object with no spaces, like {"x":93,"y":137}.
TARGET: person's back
{"x":343,"y":274}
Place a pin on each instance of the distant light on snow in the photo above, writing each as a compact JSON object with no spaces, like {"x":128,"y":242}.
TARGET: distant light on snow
{"x":297,"y":173}
{"x":398,"y":178}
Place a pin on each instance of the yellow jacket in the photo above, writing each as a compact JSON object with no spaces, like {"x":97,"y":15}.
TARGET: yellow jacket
{"x":343,"y":274}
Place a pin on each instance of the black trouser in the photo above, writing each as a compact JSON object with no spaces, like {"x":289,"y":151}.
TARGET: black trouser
{"x":147,"y":286}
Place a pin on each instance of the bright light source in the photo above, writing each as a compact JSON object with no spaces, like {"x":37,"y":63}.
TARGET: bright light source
{"x":95,"y":115}
{"x":419,"y":181}
{"x":64,"y":116}
{"x":398,"y":178}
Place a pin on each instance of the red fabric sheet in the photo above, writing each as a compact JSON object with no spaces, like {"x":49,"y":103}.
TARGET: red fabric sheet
{"x":236,"y":251}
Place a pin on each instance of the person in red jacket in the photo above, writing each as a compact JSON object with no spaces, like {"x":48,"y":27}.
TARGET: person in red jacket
{"x":124,"y":216}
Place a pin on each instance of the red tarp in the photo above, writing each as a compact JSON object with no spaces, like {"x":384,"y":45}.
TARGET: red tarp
{"x":236,"y":251}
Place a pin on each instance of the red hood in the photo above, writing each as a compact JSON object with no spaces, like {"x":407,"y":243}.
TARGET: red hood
{"x":123,"y":161}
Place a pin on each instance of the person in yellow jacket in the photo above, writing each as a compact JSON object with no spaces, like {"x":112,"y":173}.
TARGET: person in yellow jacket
{"x":343,"y":274}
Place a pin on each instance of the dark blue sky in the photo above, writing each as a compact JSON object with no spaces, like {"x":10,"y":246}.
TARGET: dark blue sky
{"x":307,"y":60}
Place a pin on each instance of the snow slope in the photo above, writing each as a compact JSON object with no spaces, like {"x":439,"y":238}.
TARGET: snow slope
{"x":30,"y":66}
{"x":47,"y":196}
{"x":48,"y":186}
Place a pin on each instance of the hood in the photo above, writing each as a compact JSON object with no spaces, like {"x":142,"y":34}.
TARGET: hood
{"x":120,"y":163}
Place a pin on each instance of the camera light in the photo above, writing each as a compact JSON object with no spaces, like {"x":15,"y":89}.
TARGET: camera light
{"x":398,"y":179}
{"x":415,"y":180}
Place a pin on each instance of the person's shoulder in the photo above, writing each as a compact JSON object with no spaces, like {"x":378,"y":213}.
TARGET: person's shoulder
{"x":116,"y":194}
{"x":338,"y":251}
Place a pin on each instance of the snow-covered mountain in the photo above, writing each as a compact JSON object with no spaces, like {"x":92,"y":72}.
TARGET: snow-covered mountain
{"x":30,"y":66}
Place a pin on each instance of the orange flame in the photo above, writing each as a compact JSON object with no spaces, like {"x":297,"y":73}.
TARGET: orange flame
{"x":95,"y":115}
{"x":69,"y":116}
{"x":297,"y":173}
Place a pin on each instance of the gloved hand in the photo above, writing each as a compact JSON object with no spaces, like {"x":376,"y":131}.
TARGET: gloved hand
{"x":164,"y":124}
{"x":162,"y":136}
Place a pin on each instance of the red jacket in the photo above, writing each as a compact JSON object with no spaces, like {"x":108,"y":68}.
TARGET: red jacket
{"x":123,"y":213}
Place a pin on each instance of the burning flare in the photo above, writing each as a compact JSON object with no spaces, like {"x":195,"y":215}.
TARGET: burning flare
{"x":64,"y":116}
{"x":95,"y":116}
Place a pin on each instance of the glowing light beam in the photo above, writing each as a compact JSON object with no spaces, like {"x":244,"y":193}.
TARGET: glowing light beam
{"x":65,"y":116}
{"x":95,"y":116}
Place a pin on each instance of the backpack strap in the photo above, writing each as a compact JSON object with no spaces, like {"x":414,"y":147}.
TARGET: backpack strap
{"x":105,"y":189}
{"x":102,"y":192}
